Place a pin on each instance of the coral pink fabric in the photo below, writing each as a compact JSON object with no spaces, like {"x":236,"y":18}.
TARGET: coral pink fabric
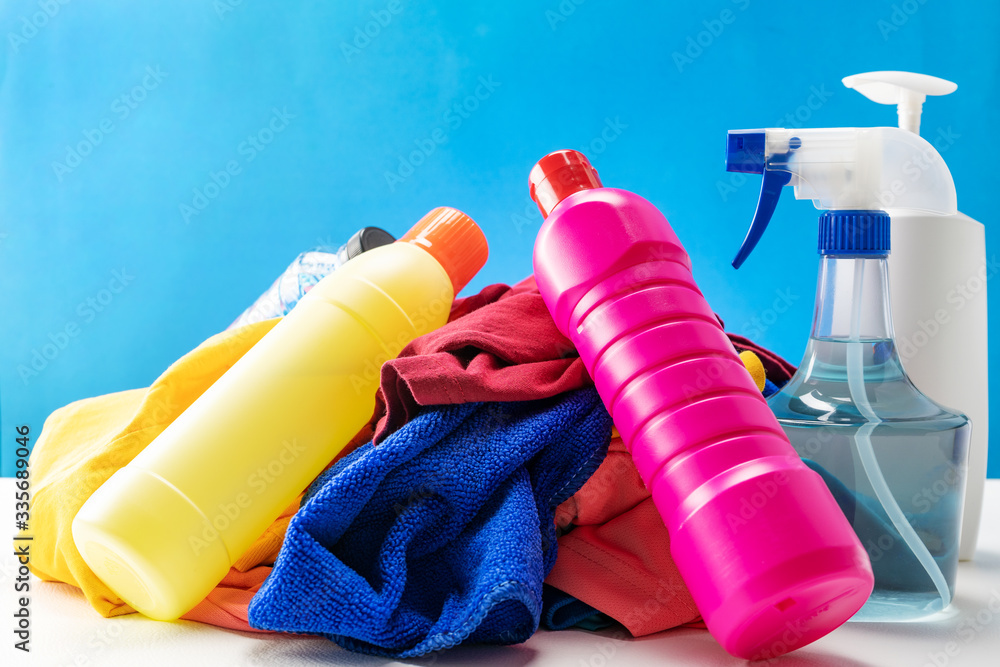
{"x":617,"y":558}
{"x":226,"y":606}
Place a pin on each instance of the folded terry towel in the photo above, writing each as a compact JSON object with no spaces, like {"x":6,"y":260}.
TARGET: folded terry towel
{"x":441,"y":534}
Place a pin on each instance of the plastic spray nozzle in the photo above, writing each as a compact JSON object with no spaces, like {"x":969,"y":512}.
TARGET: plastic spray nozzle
{"x":746,"y":152}
{"x":842,"y":169}
{"x":907,"y":90}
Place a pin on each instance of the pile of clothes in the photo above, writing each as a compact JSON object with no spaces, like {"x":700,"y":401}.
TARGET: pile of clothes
{"x":487,"y":496}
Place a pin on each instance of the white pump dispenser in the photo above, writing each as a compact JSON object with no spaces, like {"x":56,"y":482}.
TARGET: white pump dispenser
{"x":937,"y":274}
{"x":906,"y":90}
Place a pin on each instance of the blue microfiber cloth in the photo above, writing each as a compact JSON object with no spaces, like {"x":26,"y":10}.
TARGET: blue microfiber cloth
{"x":770,"y":389}
{"x":441,"y":534}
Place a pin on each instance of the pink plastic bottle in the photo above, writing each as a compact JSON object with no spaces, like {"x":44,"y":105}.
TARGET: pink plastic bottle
{"x":769,"y":557}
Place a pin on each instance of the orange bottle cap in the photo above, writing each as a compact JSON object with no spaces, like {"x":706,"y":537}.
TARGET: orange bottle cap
{"x":454,"y":240}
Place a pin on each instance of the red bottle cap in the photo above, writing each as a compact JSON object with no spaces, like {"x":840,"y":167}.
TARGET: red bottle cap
{"x":558,"y":175}
{"x":454,"y":240}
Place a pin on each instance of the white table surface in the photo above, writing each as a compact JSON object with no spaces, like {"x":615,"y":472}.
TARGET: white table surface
{"x":66,"y":631}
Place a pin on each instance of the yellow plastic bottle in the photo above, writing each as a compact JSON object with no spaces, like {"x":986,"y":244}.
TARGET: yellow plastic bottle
{"x":164,"y":530}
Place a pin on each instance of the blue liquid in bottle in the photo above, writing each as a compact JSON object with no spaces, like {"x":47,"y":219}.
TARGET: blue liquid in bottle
{"x":894,"y":459}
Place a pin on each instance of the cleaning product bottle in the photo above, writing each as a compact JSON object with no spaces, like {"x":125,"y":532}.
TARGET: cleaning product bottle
{"x":763,"y":547}
{"x":164,"y":529}
{"x":308,"y":269}
{"x":894,"y":459}
{"x":937,"y":277}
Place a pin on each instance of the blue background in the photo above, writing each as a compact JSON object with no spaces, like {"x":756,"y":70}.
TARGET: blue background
{"x":561,"y":75}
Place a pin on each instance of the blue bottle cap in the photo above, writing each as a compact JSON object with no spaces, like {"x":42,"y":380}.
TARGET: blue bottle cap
{"x":854,"y":233}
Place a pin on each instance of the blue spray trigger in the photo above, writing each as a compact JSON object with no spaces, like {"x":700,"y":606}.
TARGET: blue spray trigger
{"x":770,"y":191}
{"x":746,"y":152}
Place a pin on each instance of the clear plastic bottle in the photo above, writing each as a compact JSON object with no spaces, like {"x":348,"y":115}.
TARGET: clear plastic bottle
{"x":894,"y":459}
{"x":306,"y":271}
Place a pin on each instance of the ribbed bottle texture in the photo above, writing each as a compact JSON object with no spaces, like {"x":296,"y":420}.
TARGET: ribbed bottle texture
{"x":757,"y":537}
{"x":662,"y":363}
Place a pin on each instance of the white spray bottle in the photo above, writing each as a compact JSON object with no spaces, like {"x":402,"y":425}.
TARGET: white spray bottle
{"x":937,"y":273}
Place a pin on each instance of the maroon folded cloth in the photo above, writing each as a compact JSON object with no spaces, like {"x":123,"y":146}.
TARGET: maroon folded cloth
{"x":498,"y":345}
